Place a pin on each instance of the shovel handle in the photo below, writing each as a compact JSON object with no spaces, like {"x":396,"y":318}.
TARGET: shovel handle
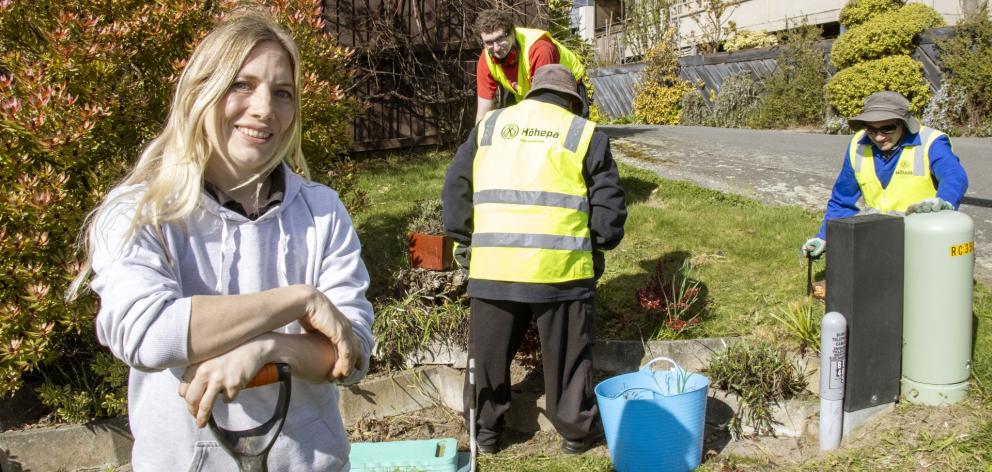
{"x":268,"y":374}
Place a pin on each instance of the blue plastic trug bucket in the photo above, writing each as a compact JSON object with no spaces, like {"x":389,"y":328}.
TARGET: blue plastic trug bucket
{"x":654,"y":419}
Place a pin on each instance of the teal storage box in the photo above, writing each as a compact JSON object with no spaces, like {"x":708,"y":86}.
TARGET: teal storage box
{"x":430,"y":455}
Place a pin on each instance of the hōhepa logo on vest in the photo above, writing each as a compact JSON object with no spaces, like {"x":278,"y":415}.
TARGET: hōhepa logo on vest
{"x":539,"y":133}
{"x":509,"y":131}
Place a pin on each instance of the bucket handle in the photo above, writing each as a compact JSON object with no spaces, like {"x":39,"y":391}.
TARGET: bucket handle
{"x":681,"y":375}
{"x":646,"y":368}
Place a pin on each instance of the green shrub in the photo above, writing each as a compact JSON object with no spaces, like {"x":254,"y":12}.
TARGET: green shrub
{"x":659,"y":104}
{"x":405,"y":324}
{"x":762,"y":375}
{"x":946,"y":108}
{"x":84,"y":84}
{"x":846,"y":90}
{"x":747,"y":39}
{"x":802,"y":322}
{"x":739,"y":102}
{"x":857,"y":12}
{"x":695,"y":111}
{"x":657,"y":98}
{"x":79,"y":393}
{"x":426,"y":218}
{"x":891,"y":33}
{"x":673,"y":296}
{"x":794,"y":90}
{"x":967,"y":56}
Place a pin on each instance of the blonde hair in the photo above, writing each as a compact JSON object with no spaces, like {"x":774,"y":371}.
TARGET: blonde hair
{"x":169,"y":173}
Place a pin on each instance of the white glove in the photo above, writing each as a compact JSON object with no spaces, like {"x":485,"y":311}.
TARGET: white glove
{"x":814,"y":247}
{"x":930,"y":205}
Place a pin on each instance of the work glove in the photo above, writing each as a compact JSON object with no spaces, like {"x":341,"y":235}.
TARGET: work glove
{"x":814,"y":248}
{"x":930,"y":205}
{"x":463,"y":255}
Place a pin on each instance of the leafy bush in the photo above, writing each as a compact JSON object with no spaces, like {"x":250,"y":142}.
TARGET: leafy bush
{"x":695,"y":110}
{"x":747,"y":39}
{"x":738,"y":103}
{"x":857,"y":12}
{"x":846,"y":90}
{"x":946,"y":108}
{"x":84,"y":84}
{"x":659,"y":104}
{"x":426,"y":217}
{"x":405,"y":324}
{"x":79,"y":393}
{"x":675,"y":296}
{"x":967,"y":56}
{"x":657,"y":98}
{"x":801,"y":322}
{"x":887,"y":34}
{"x":794,"y":90}
{"x":761,"y":375}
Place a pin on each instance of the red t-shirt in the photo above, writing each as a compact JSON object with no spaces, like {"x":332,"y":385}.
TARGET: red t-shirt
{"x":541,"y":53}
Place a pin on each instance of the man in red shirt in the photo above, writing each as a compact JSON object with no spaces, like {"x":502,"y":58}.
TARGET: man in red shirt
{"x":511,"y":55}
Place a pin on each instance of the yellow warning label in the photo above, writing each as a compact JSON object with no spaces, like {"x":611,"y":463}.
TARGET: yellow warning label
{"x":963,"y":249}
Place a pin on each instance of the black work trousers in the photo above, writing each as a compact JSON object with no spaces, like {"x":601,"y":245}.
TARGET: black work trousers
{"x":566,"y":329}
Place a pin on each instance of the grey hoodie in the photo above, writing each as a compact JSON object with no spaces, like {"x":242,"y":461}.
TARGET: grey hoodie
{"x":145,"y":291}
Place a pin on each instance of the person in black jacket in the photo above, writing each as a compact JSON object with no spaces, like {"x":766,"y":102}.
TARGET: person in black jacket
{"x":532,"y":199}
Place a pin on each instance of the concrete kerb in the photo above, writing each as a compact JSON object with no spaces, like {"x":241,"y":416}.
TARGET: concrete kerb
{"x":108,"y":443}
{"x":93,"y":446}
{"x":404,"y":392}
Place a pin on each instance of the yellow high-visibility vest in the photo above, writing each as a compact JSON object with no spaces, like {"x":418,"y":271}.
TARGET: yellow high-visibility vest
{"x":911,"y":181}
{"x":531,"y":206}
{"x":525,"y":39}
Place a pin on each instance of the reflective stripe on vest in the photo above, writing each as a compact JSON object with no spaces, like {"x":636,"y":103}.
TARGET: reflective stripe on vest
{"x":525,"y":38}
{"x":531,"y":216}
{"x":911,"y":181}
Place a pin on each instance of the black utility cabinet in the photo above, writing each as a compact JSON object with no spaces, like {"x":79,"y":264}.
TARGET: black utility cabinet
{"x":864,"y":283}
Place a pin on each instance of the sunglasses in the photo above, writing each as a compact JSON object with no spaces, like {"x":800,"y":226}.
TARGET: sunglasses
{"x":887,"y":130}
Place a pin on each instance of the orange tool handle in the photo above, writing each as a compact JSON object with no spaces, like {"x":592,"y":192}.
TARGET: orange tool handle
{"x":268,"y":374}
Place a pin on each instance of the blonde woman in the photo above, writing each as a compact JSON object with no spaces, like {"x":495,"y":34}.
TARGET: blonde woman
{"x":214,"y":258}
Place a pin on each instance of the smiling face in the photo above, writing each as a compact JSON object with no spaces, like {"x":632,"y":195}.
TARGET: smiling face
{"x":498,"y":43}
{"x":886,"y":134}
{"x":253,"y":119}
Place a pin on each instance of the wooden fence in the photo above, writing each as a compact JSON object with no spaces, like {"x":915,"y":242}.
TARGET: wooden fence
{"x":416,"y":62}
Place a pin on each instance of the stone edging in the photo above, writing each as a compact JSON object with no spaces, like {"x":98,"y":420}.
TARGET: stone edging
{"x":107,"y":443}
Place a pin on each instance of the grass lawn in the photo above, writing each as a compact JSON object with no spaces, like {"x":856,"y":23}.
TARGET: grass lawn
{"x":745,"y":258}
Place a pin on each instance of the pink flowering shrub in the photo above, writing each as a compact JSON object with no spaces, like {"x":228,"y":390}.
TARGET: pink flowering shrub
{"x":84,"y":84}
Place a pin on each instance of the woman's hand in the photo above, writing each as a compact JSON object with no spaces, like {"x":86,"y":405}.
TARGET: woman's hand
{"x":227,"y":374}
{"x":323,"y":316}
{"x":310,"y":357}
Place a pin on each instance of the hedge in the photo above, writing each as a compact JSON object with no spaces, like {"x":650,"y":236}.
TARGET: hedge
{"x":888,"y":34}
{"x":847,"y":89}
{"x":857,"y":12}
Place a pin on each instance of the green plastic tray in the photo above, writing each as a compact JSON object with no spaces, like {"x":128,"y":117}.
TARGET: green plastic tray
{"x":430,"y":455}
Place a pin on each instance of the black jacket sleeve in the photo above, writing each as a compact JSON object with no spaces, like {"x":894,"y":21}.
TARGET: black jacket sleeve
{"x":607,"y":205}
{"x":456,"y":195}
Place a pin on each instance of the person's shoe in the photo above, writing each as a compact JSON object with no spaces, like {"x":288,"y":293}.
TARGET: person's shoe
{"x":488,"y":448}
{"x":579,"y":447}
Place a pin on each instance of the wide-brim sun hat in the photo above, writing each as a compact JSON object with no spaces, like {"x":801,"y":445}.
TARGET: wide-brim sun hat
{"x":554,"y":77}
{"x":885,"y":105}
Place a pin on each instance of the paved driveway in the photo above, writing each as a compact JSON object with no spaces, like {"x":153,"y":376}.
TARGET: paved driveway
{"x":784,"y":167}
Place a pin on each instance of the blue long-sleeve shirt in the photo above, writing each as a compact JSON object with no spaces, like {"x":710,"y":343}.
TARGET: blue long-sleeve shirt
{"x":945,"y":169}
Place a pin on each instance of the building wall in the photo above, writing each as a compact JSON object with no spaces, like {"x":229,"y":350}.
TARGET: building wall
{"x":754,"y":15}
